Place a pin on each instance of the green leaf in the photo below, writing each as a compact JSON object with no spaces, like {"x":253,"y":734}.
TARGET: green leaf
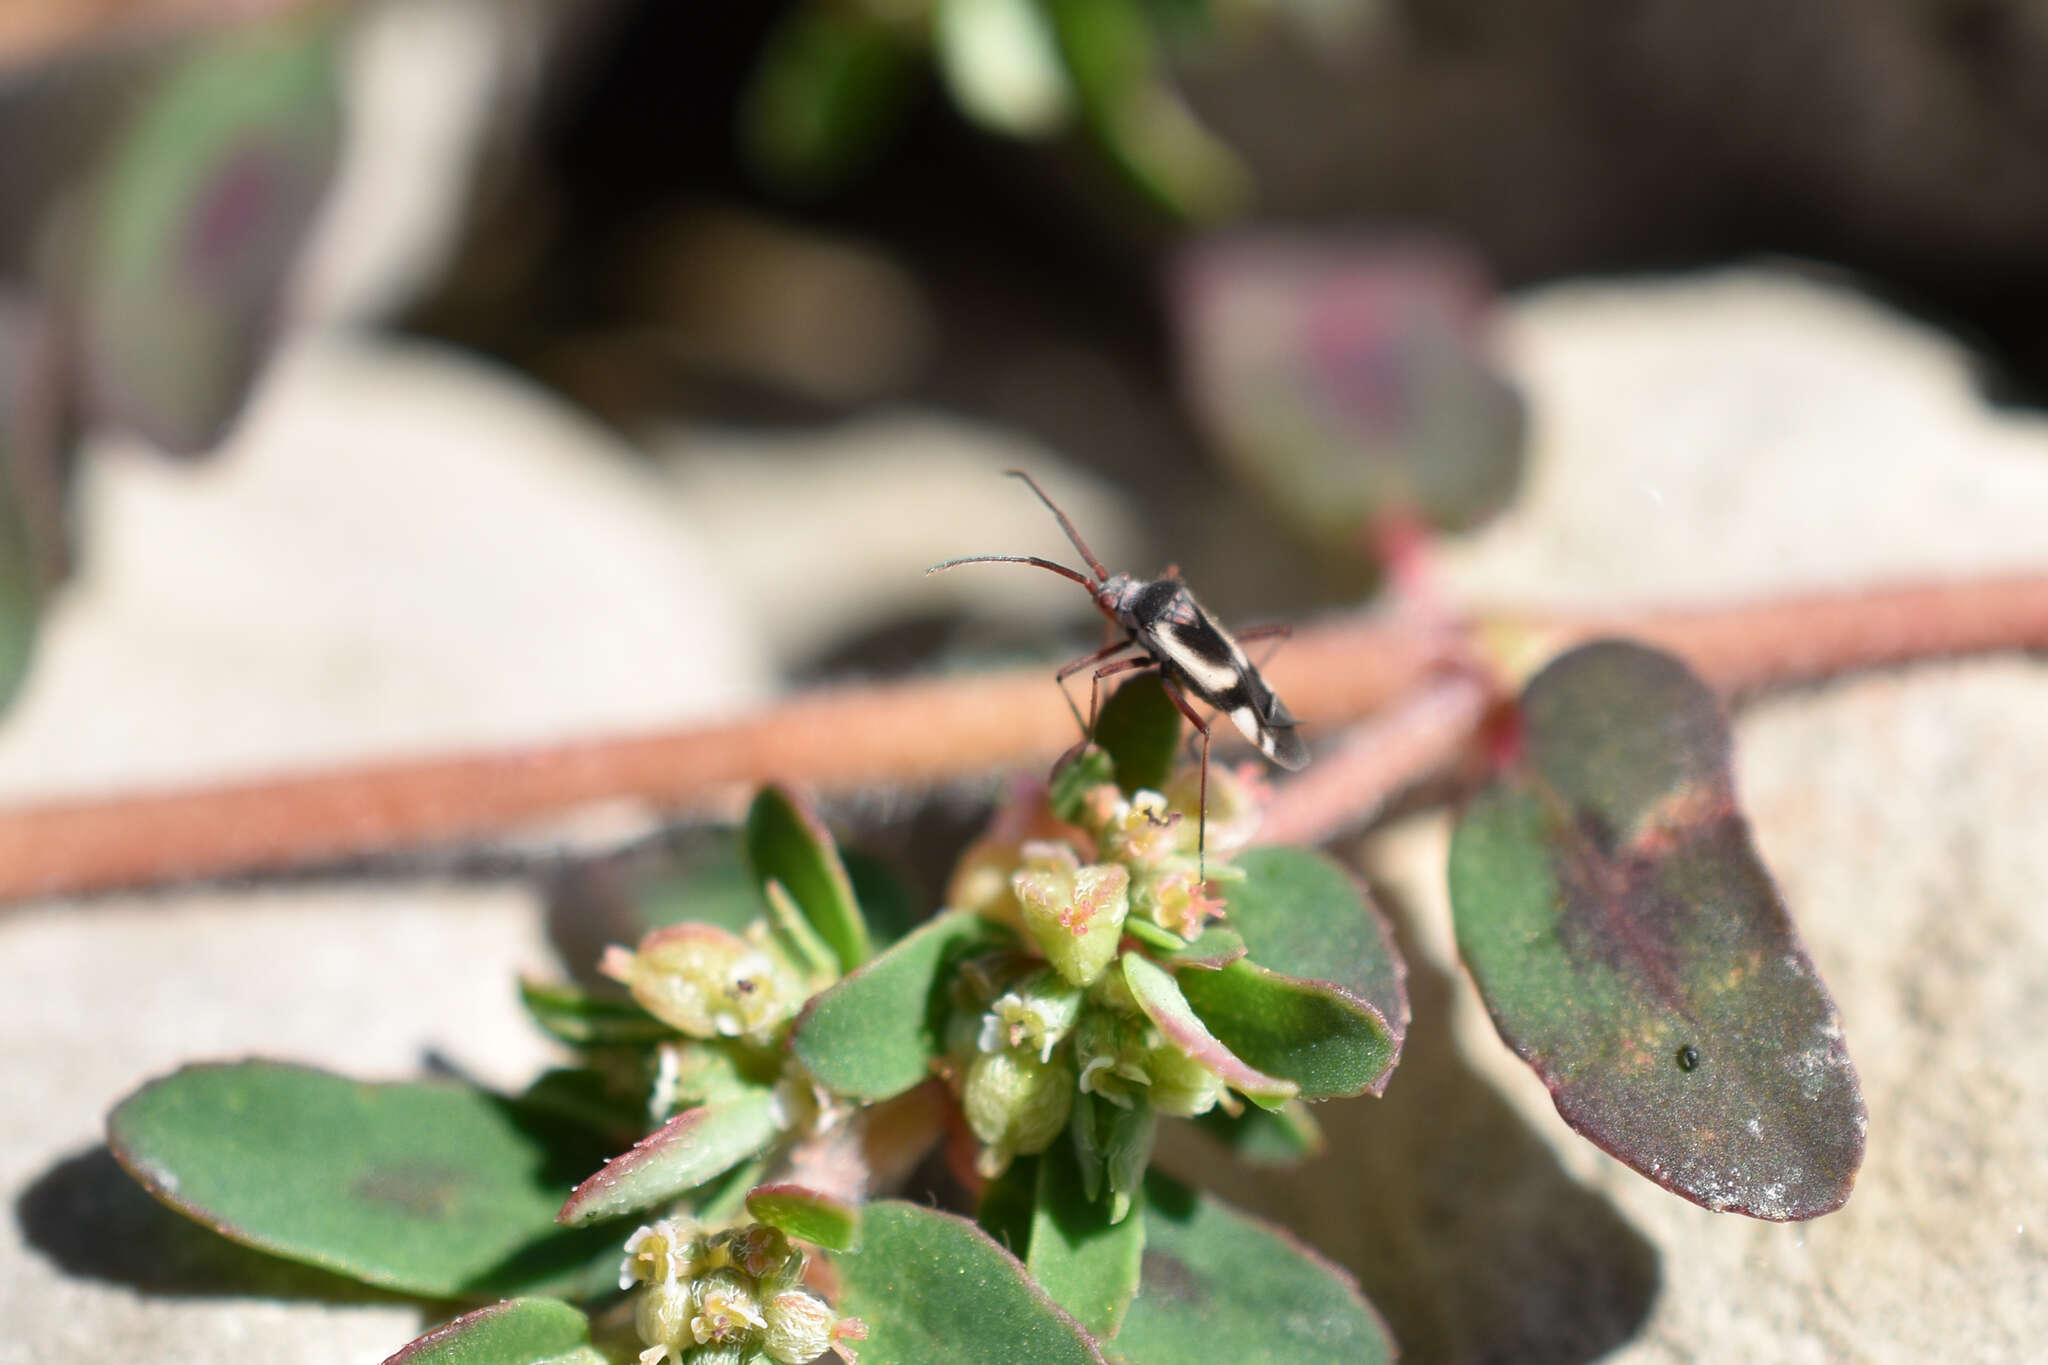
{"x":1160,"y":998}
{"x":515,"y":1332}
{"x":1136,"y":117}
{"x":709,"y":882}
{"x":934,"y":1289}
{"x":1075,"y":778}
{"x":1087,"y":1263}
{"x":430,"y":1188}
{"x":1633,"y":949}
{"x":594,"y":1098}
{"x":582,"y":1019}
{"x":875,"y":1033}
{"x":886,"y":903}
{"x":1009,"y":1201}
{"x":29,"y":454}
{"x":695,"y":1146}
{"x":1321,"y":998}
{"x":786,"y":842}
{"x":1139,"y":728}
{"x":812,"y":1215}
{"x":1267,"y":1137}
{"x":1223,"y":1288}
{"x":1216,"y":948}
{"x":198,"y":221}
{"x":829,"y":90}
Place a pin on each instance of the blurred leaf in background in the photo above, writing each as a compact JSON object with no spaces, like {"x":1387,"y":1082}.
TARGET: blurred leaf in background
{"x":189,"y":235}
{"x":837,"y":78}
{"x":1349,"y":382}
{"x":832,"y":86}
{"x":33,"y":456}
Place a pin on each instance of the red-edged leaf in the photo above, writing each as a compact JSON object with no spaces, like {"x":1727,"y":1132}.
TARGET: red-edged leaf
{"x":1160,"y":998}
{"x":515,"y":1332}
{"x":1633,"y":949}
{"x":809,"y":1214}
{"x":1321,"y":996}
{"x":691,"y":1148}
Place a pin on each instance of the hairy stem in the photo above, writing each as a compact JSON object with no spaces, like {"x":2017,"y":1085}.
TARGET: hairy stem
{"x":1332,"y":675}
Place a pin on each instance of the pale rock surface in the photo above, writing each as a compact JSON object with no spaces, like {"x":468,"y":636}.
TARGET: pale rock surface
{"x":400,"y":551}
{"x":860,"y":510}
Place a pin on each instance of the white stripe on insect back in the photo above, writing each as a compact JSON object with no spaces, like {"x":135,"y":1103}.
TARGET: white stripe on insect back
{"x":1210,"y":676}
{"x":1247,"y":722}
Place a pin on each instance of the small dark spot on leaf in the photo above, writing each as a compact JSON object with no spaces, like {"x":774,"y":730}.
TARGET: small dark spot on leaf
{"x":1688,"y":1057}
{"x":1166,"y":1276}
{"x":418,"y":1191}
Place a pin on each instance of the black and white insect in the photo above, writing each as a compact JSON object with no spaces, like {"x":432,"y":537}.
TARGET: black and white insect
{"x":1172,"y":635}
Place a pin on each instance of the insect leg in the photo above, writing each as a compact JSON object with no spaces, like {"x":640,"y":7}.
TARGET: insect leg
{"x":1278,"y":631}
{"x":1143,"y":661}
{"x":1202,"y":799}
{"x":1088,"y":725}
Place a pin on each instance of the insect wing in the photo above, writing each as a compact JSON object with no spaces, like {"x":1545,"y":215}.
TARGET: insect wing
{"x":1203,"y":657}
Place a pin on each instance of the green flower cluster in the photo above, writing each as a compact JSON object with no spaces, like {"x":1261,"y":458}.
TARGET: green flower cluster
{"x":1049,"y":1039}
{"x":728,"y":1298}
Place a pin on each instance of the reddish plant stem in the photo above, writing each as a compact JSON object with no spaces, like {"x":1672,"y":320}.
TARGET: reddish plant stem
{"x":926,"y":731}
{"x":1420,"y":734}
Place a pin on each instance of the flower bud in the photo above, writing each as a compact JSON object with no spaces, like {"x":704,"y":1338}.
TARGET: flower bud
{"x":726,"y":1307}
{"x":1176,"y":898}
{"x":1141,"y":832}
{"x":1181,"y":1086}
{"x":1015,"y":1104}
{"x":1034,"y":1015}
{"x":799,"y":1327}
{"x":708,"y":982}
{"x":1236,"y":806}
{"x":762,"y":1251}
{"x":662,"y":1318}
{"x":1110,"y":1048}
{"x":1075,"y":914}
{"x":657,"y":1253}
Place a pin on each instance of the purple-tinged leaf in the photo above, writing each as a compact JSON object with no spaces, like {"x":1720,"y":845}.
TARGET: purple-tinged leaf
{"x":32,"y":469}
{"x":691,"y":1148}
{"x":1350,"y":382}
{"x":1321,"y":997}
{"x":198,"y":222}
{"x":1161,"y":1000}
{"x":787,"y":843}
{"x":1088,"y":1263}
{"x":432,"y":1189}
{"x":1223,"y":1288}
{"x":809,"y":1214}
{"x":935,"y":1289}
{"x":876,"y":1033}
{"x":1634,"y":950}
{"x":515,"y":1332}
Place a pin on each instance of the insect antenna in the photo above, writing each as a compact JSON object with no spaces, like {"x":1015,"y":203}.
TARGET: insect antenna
{"x":1062,"y":570}
{"x":1065,"y":525}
